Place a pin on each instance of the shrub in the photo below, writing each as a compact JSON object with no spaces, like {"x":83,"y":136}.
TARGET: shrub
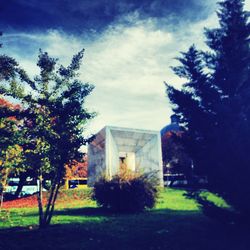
{"x":127,"y":192}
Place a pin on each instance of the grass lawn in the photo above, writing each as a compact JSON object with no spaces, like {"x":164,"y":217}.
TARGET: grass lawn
{"x":175,"y":224}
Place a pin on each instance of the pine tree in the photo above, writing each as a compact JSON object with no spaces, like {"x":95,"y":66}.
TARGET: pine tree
{"x":194,"y":104}
{"x":214,"y":106}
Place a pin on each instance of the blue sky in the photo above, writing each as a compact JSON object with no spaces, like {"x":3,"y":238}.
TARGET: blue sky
{"x":129,"y":45}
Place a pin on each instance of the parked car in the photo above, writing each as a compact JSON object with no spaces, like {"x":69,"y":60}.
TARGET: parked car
{"x":31,"y":186}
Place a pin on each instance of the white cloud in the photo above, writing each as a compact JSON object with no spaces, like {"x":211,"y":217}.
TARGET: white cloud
{"x":127,"y":64}
{"x":247,"y":5}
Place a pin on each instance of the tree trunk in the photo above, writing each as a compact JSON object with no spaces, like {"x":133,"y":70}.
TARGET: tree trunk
{"x":4,"y":184}
{"x":49,"y":215}
{"x":40,"y":202}
{"x":1,"y":200}
{"x":45,"y":217}
{"x":49,"y":202}
{"x":22,"y":180}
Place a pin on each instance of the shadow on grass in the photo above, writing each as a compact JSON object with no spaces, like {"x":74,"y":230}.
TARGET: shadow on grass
{"x":101,"y":212}
{"x":155,"y":229}
{"x":86,"y":211}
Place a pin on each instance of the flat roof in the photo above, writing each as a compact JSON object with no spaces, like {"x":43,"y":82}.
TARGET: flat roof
{"x":126,"y":139}
{"x":132,"y":130}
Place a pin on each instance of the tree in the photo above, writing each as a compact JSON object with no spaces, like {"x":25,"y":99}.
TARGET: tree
{"x":10,"y":133}
{"x":194,"y":104}
{"x":77,"y":169}
{"x":10,"y":151}
{"x":174,"y":154}
{"x":56,"y":118}
{"x":13,"y":142}
{"x":214,"y":105}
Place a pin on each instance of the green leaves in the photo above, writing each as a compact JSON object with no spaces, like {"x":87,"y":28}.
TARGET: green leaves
{"x":8,"y":67}
{"x":52,"y":120}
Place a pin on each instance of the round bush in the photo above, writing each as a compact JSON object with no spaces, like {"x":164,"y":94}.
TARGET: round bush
{"x":127,"y":193}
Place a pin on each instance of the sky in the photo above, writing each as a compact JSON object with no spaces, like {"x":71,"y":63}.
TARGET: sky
{"x":129,"y":48}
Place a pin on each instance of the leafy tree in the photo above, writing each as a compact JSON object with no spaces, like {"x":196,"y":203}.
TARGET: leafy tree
{"x":214,"y":104}
{"x":77,"y":169}
{"x":10,"y":133}
{"x":13,"y":140}
{"x":10,"y":137}
{"x":56,"y":117}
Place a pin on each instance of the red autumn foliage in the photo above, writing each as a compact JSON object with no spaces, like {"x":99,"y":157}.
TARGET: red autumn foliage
{"x":174,"y":153}
{"x":170,"y":134}
{"x":77,"y":169}
{"x":29,"y":201}
{"x":6,"y":104}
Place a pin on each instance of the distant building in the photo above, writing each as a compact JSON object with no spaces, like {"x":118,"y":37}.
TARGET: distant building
{"x":172,"y":148}
{"x":176,"y":162}
{"x":178,"y":167}
{"x":173,"y":126}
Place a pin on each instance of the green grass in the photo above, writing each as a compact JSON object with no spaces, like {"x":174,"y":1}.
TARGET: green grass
{"x":215,"y":199}
{"x":176,"y":223}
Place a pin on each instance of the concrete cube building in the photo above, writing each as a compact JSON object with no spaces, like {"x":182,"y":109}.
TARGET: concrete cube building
{"x":139,"y":149}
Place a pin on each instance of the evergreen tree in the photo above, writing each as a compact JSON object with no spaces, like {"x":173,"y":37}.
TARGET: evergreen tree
{"x":214,"y":106}
{"x":194,"y":104}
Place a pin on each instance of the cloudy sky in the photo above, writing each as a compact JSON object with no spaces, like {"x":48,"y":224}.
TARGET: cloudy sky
{"x":129,"y":45}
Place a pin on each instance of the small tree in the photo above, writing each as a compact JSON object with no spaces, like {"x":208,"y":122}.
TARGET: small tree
{"x":13,"y":144}
{"x":10,"y":159}
{"x":10,"y":132}
{"x":56,"y":117}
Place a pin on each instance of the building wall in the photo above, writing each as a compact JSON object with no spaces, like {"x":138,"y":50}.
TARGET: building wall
{"x":148,"y":158}
{"x":112,"y":155}
{"x":96,"y":161}
{"x":130,"y":160}
{"x":104,"y":156}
